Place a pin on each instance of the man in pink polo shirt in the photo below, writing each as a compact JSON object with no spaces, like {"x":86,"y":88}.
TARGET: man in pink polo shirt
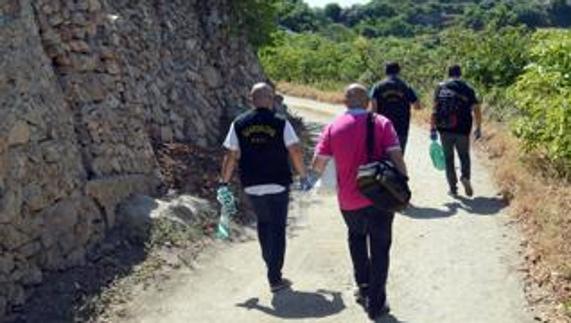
{"x":369,"y":228}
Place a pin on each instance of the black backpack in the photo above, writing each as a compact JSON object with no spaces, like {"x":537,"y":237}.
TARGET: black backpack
{"x":448,"y":102}
{"x":392,"y":99}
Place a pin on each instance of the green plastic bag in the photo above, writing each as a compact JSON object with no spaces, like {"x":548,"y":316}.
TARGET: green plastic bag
{"x":227,"y":210}
{"x":437,"y":156}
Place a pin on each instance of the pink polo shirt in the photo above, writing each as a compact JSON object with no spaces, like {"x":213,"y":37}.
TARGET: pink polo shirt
{"x":345,"y":141}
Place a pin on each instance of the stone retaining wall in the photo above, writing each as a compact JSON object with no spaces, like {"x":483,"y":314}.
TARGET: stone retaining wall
{"x":85,"y":87}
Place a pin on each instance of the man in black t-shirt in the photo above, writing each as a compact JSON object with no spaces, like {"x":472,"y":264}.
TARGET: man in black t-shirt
{"x":455,"y":107}
{"x":393,"y":97}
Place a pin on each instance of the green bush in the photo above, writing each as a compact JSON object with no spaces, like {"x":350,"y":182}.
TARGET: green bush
{"x":543,"y":95}
{"x":491,"y":58}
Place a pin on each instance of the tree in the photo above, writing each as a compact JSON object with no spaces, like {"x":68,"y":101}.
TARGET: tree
{"x":333,"y":12}
{"x":256,"y":18}
{"x":296,"y":15}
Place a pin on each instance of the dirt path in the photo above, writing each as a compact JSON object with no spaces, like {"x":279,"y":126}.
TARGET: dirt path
{"x":452,"y":261}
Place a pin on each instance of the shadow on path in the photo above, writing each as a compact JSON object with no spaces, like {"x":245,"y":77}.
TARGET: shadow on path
{"x":483,"y":205}
{"x":477,"y":206}
{"x":388,"y":319}
{"x":427,"y":213}
{"x":290,"y":304}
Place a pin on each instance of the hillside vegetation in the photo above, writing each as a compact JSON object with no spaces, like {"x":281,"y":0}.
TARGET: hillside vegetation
{"x":523,"y":73}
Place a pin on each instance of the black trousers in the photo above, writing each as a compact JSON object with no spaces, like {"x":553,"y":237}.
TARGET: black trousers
{"x":370,"y":237}
{"x":452,"y":142}
{"x":271,"y":212}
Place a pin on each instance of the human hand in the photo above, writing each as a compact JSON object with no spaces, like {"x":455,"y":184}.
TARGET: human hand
{"x":224,"y":195}
{"x":433,"y":135}
{"x":307,"y":182}
{"x":478,"y":133}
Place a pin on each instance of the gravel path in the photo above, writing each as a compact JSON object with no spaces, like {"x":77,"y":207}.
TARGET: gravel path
{"x":452,"y":261}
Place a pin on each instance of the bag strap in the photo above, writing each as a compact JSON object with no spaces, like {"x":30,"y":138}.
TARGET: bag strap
{"x":370,"y":136}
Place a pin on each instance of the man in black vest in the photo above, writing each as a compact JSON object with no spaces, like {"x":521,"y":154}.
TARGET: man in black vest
{"x":392,"y":98}
{"x":259,"y":143}
{"x":455,"y":107}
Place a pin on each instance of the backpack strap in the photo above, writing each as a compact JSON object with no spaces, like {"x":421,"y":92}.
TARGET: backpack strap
{"x":370,"y":136}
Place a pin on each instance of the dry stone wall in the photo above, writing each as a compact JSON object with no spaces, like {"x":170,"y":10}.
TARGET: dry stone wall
{"x":86,"y":86}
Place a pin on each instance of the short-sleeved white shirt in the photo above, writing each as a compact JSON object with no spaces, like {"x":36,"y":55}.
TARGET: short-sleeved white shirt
{"x":232,"y":143}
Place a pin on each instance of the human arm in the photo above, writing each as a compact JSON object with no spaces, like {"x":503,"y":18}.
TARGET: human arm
{"x":319,"y":164}
{"x":295,"y":149}
{"x":413,"y":99}
{"x":391,"y":146}
{"x":296,"y":154}
{"x":397,"y":158}
{"x":478,"y":117}
{"x":323,"y":153}
{"x":229,"y":164}
{"x":231,"y":157}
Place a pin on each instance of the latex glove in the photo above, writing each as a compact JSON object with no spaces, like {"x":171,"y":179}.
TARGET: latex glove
{"x":478,"y":133}
{"x":433,"y":135}
{"x":308,"y":182}
{"x":224,"y":195}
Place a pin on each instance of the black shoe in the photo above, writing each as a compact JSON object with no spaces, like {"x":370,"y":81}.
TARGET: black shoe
{"x":375,"y":314}
{"x":282,"y":284}
{"x":361,"y":297}
{"x":453,"y":192}
{"x":467,"y":186}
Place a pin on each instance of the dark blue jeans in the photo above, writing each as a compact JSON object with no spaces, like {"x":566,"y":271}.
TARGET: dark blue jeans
{"x":271,"y":212}
{"x":370,"y":237}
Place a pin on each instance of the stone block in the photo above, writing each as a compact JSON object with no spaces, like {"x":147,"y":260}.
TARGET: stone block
{"x":31,"y":276}
{"x":19,"y":134}
{"x":29,"y":249}
{"x":11,"y":238}
{"x":16,"y":294}
{"x":35,"y":197}
{"x":94,"y":5}
{"x":3,"y":306}
{"x":6,"y":263}
{"x":79,"y":46}
{"x":111,"y":191}
{"x":61,"y":217}
{"x":84,"y":63}
{"x":166,"y":134}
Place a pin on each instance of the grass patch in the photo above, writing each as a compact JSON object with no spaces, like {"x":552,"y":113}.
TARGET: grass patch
{"x":167,"y":232}
{"x":310,"y":92}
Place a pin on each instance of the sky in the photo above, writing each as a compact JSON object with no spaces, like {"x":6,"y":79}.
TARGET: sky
{"x":343,"y":3}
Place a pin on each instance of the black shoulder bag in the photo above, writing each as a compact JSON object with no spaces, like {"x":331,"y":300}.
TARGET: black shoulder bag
{"x":380,"y":181}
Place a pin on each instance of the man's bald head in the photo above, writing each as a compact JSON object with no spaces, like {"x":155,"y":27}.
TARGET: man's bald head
{"x":356,"y":96}
{"x":262,"y":95}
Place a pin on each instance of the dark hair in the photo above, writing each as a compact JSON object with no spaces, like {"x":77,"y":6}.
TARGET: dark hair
{"x":392,"y":68}
{"x":455,"y":71}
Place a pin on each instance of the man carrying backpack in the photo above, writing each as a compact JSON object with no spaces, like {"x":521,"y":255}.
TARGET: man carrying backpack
{"x":455,"y":106}
{"x":392,"y":98}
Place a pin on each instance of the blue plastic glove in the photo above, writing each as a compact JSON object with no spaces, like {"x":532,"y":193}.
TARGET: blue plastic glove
{"x":308,"y":182}
{"x":226,"y":198}
{"x":478,"y":133}
{"x":433,"y":135}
